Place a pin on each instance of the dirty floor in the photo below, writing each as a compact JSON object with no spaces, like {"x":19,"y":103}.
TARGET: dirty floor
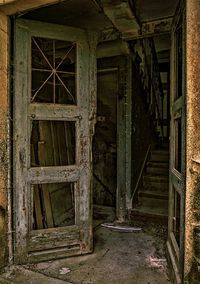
{"x":119,"y":257}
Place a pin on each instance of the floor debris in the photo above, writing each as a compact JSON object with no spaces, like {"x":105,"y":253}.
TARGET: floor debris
{"x":64,"y":270}
{"x":121,"y":228}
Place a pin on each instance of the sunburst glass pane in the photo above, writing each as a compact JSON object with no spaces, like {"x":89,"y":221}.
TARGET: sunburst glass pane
{"x":53,"y":71}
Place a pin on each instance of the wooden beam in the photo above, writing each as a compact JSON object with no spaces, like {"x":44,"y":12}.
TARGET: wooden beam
{"x":112,"y":48}
{"x":53,"y":174}
{"x":152,"y":28}
{"x":122,"y":16}
{"x":19,"y":6}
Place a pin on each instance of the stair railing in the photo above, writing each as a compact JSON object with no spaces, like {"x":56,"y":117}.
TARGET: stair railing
{"x":138,"y":183}
{"x":157,"y":89}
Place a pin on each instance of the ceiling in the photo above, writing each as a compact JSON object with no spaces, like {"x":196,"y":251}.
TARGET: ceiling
{"x":77,"y":13}
{"x":148,"y":10}
{"x":89,"y":13}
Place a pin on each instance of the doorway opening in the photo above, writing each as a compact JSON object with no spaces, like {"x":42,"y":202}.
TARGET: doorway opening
{"x":105,"y":140}
{"x":54,"y":146}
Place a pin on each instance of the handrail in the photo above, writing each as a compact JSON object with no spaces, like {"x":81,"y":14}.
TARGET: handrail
{"x":155,"y":79}
{"x":141,"y":172}
{"x":157,"y":84}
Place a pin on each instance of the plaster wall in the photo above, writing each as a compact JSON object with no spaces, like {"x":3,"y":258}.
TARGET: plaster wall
{"x":3,"y":136}
{"x":192,"y":238}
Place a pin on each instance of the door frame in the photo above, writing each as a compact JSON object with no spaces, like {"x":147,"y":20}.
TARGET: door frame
{"x":177,"y":178}
{"x":72,"y":240}
{"x":122,"y":64}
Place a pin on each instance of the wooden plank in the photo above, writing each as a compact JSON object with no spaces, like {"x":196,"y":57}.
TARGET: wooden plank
{"x":22,"y":5}
{"x":70,"y":159}
{"x":54,"y":112}
{"x":42,"y":152}
{"x":177,"y":106}
{"x":36,"y":197}
{"x":121,"y":142}
{"x":21,"y":146}
{"x":54,"y":134}
{"x":54,"y":253}
{"x":5,"y":142}
{"x":38,"y":175}
{"x":83,"y":149}
{"x":37,"y":205}
{"x":59,"y":32}
{"x":68,"y":138}
{"x":54,"y":237}
{"x":122,"y":16}
{"x":87,"y":89}
{"x":128,"y":125}
{"x":62,"y":149}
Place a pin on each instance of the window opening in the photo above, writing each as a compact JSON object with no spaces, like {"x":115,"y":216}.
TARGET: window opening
{"x":53,"y":205}
{"x":52,"y":143}
{"x":53,"y":71}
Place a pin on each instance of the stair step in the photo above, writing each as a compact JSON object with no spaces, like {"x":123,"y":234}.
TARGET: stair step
{"x":160,"y":151}
{"x":158,"y":164}
{"x":152,"y":202}
{"x":153,"y":194}
{"x":151,"y":198}
{"x":155,"y":212}
{"x":156,"y":186}
{"x":156,"y":178}
{"x":157,"y":170}
{"x":159,"y":157}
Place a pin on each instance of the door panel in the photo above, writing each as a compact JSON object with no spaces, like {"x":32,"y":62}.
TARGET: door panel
{"x":177,"y":150}
{"x":53,"y":102}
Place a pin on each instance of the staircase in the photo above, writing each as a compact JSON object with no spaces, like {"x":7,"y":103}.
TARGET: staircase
{"x":153,"y":192}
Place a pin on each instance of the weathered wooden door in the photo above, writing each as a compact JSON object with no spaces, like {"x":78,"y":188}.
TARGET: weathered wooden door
{"x":54,"y":116}
{"x":175,"y":242}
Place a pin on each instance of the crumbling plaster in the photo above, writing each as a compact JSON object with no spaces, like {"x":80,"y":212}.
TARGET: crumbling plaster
{"x":192,"y":209}
{"x":3,"y":136}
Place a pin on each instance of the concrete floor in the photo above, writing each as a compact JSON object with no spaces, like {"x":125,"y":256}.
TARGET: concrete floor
{"x":122,"y":258}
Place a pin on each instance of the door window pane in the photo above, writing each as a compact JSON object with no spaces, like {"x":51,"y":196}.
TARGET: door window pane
{"x":52,"y":143}
{"x":178,"y":145}
{"x":176,"y":216}
{"x":179,"y":59}
{"x":53,"y":71}
{"x":53,"y":205}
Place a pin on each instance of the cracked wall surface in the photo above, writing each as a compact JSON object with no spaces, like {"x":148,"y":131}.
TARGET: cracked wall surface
{"x":192,"y":140}
{"x":3,"y":137}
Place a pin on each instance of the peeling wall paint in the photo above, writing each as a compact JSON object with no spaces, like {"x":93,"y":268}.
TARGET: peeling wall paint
{"x":3,"y":138}
{"x":192,"y":140}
